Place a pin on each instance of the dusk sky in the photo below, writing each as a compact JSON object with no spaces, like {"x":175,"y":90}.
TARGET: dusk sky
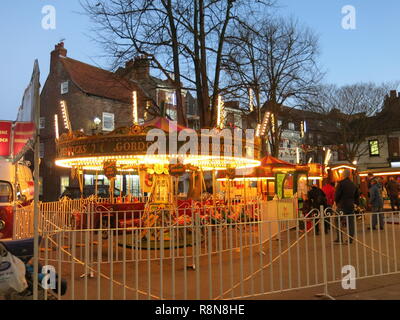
{"x":368,"y":53}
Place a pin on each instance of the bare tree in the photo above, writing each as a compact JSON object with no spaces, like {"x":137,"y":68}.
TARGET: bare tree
{"x":185,"y":38}
{"x":129,"y":28}
{"x":277,"y":60}
{"x":352,"y":110}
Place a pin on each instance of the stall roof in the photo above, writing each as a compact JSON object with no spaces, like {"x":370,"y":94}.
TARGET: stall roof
{"x":270,"y":161}
{"x":165,"y":124}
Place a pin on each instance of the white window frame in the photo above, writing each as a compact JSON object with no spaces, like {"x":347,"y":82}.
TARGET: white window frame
{"x":111,"y":118}
{"x":42,"y":122}
{"x":170,"y":98}
{"x":64,"y":87}
{"x":63,"y":187}
{"x":172,"y":113}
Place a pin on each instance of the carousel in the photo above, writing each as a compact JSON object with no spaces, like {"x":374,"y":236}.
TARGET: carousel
{"x":154,"y":153}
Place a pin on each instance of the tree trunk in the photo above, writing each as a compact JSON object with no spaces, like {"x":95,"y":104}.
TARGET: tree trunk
{"x":180,"y":108}
{"x":218,"y":65}
{"x":203,"y":69}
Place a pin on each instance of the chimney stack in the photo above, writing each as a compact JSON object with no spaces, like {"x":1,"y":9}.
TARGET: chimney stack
{"x":393,"y":94}
{"x":138,"y":68}
{"x":59,"y":51}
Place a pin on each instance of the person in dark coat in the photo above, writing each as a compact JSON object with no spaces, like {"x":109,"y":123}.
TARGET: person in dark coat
{"x":393,"y":188}
{"x":317,"y":199}
{"x":376,"y":202}
{"x":346,"y":196}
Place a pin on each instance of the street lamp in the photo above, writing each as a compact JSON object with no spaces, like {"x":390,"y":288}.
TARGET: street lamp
{"x":95,"y":127}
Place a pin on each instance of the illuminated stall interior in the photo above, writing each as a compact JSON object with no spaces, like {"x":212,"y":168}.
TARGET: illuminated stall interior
{"x":272,"y":177}
{"x":316,"y":174}
{"x":335,"y":172}
{"x":383,"y":174}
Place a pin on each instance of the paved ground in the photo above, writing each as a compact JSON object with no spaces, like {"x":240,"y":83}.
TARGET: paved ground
{"x":376,"y":288}
{"x":279,"y":267}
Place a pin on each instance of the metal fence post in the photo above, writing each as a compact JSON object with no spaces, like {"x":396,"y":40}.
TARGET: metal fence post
{"x":323,"y":249}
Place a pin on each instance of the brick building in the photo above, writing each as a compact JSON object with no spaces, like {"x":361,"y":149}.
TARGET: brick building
{"x":384,"y":143}
{"x":89,"y":93}
{"x":305,"y":135}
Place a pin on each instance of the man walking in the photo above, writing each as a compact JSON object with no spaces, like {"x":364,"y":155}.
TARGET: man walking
{"x":393,"y":188}
{"x":346,"y":196}
{"x":376,"y":202}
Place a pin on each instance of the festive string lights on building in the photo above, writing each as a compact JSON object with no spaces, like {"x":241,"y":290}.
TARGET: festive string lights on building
{"x":265,"y":123}
{"x":258,"y":130}
{"x":57,"y":134}
{"x":135,"y":116}
{"x":303,"y":129}
{"x":64,"y":111}
{"x":273,"y":123}
{"x":220,"y":113}
{"x":251,"y":102}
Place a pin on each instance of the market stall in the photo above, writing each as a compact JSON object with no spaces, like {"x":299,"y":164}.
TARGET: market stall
{"x":335,"y":172}
{"x":274,"y":177}
{"x":383,"y":174}
{"x":316,"y":174}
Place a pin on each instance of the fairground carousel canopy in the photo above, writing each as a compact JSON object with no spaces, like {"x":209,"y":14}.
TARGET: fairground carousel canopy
{"x":157,"y":142}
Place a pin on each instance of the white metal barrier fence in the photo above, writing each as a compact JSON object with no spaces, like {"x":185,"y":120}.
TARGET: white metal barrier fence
{"x":223,"y":252}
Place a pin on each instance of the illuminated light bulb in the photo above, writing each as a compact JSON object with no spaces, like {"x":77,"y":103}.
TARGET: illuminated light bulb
{"x":57,"y":134}
{"x":220,"y":111}
{"x":135,"y":116}
{"x":251,"y":103}
{"x":64,"y":111}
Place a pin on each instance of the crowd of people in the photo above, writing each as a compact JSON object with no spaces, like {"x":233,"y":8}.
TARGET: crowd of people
{"x":345,"y":197}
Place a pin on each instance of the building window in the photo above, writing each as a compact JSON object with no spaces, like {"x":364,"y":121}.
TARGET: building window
{"x":108,"y":121}
{"x":64,"y":182}
{"x":237,"y":120}
{"x":64,"y":87}
{"x":41,"y":150}
{"x":291,"y":126}
{"x":42,"y":122}
{"x":171,"y":113}
{"x":170,"y":98}
{"x":373,"y":148}
{"x":279,"y":123}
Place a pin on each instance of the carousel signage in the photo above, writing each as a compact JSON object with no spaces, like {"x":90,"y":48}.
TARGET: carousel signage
{"x":131,"y":145}
{"x":110,"y":169}
{"x":138,"y":144}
